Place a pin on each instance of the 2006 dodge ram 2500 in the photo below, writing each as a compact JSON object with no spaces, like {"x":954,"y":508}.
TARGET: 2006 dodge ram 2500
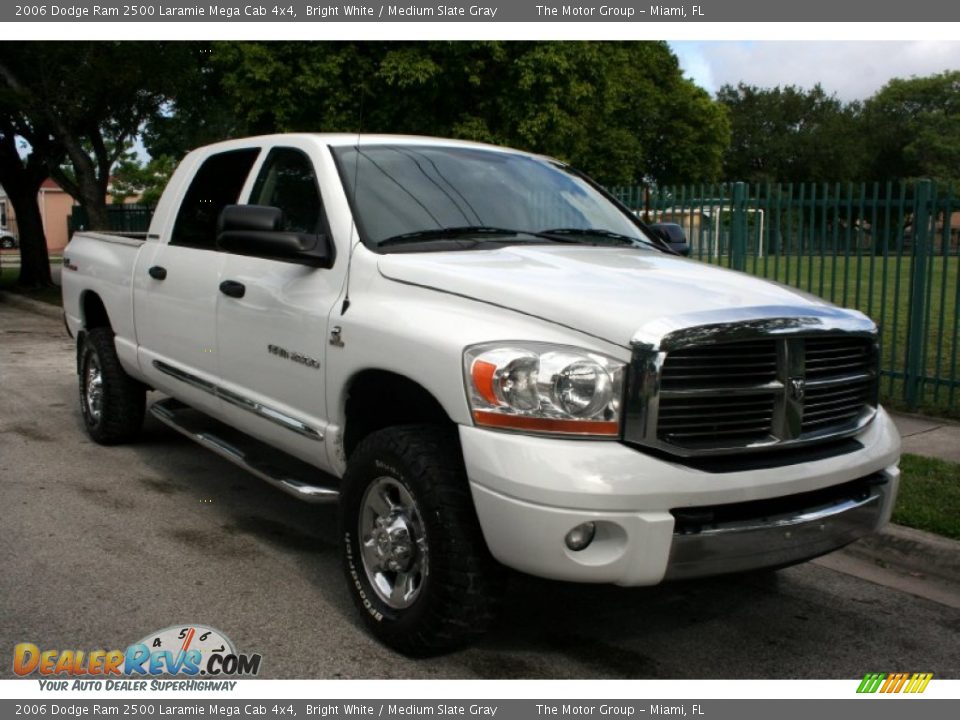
{"x":487,"y":361}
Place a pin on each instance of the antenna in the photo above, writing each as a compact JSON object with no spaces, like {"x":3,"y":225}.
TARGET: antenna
{"x":353,"y":205}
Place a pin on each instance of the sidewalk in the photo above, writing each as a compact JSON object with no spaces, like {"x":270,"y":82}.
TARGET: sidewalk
{"x":930,"y":437}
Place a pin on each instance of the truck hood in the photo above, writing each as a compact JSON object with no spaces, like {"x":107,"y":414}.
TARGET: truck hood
{"x":610,"y":293}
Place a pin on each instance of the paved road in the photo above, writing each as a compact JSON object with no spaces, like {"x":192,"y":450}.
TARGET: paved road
{"x":103,"y":545}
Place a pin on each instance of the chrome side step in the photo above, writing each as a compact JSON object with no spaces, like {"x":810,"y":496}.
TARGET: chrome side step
{"x":283,"y":471}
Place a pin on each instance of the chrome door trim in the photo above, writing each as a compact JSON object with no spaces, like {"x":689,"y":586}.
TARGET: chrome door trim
{"x":241,"y":401}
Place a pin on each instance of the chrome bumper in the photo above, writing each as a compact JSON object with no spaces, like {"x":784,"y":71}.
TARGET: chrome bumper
{"x":783,"y":539}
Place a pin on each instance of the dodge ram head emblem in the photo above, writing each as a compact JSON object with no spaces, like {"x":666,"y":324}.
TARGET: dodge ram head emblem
{"x":796,"y":388}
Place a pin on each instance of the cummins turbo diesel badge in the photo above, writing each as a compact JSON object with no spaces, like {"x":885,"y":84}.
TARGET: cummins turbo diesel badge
{"x":179,"y":650}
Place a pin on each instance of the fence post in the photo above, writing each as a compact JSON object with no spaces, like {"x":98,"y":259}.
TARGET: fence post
{"x":916,"y":330}
{"x":738,"y":227}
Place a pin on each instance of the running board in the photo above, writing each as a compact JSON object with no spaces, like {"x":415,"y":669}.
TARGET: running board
{"x":281,"y":470}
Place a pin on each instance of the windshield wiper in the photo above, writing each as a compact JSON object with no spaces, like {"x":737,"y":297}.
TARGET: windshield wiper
{"x":450,"y":233}
{"x":569,"y":235}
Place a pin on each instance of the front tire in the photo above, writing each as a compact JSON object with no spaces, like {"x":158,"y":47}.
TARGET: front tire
{"x":112,"y":402}
{"x":413,"y":553}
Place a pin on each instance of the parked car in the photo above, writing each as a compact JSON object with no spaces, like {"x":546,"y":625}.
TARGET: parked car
{"x":674,"y":236}
{"x":8,"y":240}
{"x":487,"y":362}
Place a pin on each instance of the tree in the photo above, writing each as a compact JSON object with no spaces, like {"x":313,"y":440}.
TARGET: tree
{"x":913,"y":128}
{"x":791,"y":135}
{"x":86,"y":101}
{"x":197,"y":111}
{"x":22,"y":174}
{"x":144,"y":181}
{"x":622,"y":111}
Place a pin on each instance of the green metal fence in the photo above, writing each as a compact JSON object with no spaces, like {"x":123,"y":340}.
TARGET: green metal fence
{"x":122,"y":218}
{"x":888,"y":249}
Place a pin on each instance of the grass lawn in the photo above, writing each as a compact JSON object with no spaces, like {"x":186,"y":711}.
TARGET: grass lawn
{"x":8,"y":282}
{"x":929,"y":496}
{"x":881,"y":288}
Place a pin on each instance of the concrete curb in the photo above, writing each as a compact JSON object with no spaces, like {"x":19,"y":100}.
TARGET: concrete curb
{"x":35,"y":306}
{"x":912,"y":551}
{"x":933,"y":420}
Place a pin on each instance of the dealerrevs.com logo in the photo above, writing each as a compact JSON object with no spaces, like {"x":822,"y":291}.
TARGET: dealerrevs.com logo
{"x":191,"y":651}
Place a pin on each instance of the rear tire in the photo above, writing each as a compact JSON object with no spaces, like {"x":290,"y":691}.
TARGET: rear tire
{"x":413,"y":553}
{"x":112,"y":402}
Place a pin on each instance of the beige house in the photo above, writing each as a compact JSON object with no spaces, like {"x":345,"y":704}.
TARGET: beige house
{"x":55,"y":208}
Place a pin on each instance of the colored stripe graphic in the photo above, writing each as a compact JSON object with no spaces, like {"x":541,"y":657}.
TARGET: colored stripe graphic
{"x":894,"y":683}
{"x":870,"y":683}
{"x":923,"y":679}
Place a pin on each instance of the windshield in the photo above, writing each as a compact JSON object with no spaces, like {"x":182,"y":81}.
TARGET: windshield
{"x":418,"y":190}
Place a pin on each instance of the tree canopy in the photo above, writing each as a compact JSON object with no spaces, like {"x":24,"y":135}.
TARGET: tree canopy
{"x":913,"y":128}
{"x":791,"y":135}
{"x":622,"y":111}
{"x":79,"y":106}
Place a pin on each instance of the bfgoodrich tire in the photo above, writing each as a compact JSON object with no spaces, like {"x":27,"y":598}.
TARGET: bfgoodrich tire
{"x":413,"y":553}
{"x":112,"y":403}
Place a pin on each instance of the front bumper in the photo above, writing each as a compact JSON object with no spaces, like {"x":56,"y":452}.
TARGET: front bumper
{"x":783,"y":539}
{"x":530,"y":492}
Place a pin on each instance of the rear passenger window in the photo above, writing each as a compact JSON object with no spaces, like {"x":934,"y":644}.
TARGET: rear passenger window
{"x":217,"y":183}
{"x":287,"y":181}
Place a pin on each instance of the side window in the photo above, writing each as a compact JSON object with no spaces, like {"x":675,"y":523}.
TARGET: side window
{"x":218,"y":183}
{"x":287,"y":181}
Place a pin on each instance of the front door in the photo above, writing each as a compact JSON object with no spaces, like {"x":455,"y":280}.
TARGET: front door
{"x":272,"y":339}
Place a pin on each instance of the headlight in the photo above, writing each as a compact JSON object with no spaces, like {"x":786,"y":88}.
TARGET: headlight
{"x":536,"y":387}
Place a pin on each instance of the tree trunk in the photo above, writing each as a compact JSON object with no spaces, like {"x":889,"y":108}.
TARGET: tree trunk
{"x":22,"y":179}
{"x":34,"y":260}
{"x":87,"y":189}
{"x":96,"y":207}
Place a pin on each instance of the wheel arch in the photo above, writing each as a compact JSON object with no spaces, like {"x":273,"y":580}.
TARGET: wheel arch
{"x":93,"y":314}
{"x":375,"y":399}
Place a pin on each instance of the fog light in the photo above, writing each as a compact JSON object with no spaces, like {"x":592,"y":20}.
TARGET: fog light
{"x":580,"y":536}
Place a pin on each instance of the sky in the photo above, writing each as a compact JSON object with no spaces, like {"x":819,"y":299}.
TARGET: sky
{"x":852,"y":70}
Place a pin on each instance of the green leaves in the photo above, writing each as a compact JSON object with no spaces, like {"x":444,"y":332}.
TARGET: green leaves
{"x":791,"y":135}
{"x":914,"y":128}
{"x":621,"y":111}
{"x":908,"y":129}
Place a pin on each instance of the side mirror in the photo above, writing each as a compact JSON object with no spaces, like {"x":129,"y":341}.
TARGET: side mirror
{"x":258,"y":230}
{"x":673,"y":236}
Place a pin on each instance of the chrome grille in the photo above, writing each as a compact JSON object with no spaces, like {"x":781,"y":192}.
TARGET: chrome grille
{"x":845,"y":367}
{"x":722,"y":397}
{"x":696,"y":420}
{"x":740,"y":363}
{"x":829,"y":357}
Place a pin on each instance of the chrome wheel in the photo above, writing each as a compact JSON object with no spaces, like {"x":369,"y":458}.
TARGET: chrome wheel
{"x":93,"y":387}
{"x":393,"y":543}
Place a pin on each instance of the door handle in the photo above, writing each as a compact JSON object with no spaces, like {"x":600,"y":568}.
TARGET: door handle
{"x":233,"y":288}
{"x":157,"y":272}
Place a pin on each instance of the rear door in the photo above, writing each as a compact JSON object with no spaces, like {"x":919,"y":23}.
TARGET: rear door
{"x":176,"y":284}
{"x":273,"y":339}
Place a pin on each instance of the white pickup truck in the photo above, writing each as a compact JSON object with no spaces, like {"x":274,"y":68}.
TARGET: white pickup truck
{"x":488,"y":362}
